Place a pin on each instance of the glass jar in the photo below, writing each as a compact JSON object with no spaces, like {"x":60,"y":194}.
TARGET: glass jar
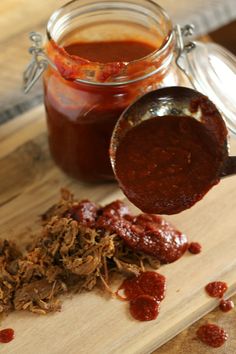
{"x":99,"y":57}
{"x":84,"y":97}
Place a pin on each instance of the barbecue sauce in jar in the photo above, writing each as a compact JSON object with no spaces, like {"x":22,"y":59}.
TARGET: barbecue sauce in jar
{"x":81,"y":117}
{"x":101,"y":59}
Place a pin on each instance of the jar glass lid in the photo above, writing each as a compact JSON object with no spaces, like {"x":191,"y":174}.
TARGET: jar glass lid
{"x":212,"y":71}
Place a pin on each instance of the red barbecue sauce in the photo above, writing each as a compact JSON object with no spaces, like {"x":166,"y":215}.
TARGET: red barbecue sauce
{"x":216,"y":289}
{"x":146,"y":233}
{"x":226,"y":305}
{"x":80,"y":116}
{"x":144,"y":308}
{"x":195,"y":248}
{"x":166,"y":164}
{"x":212,"y":335}
{"x":6,"y":335}
{"x":145,"y":292}
{"x":110,"y":51}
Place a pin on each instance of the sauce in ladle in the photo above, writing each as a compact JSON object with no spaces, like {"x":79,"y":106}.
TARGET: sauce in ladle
{"x":166,"y":164}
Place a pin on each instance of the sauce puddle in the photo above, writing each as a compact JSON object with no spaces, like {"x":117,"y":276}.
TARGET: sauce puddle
{"x":212,"y":335}
{"x":216,"y":289}
{"x":6,"y":335}
{"x":145,"y":293}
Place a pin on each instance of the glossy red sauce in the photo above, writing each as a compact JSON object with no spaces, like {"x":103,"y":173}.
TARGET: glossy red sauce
{"x":84,"y":212}
{"x":146,"y":233}
{"x":81,"y":117}
{"x":195,"y":248}
{"x":226,"y":305}
{"x":113,"y":51}
{"x":216,"y":289}
{"x":145,"y":292}
{"x":147,"y":283}
{"x":149,"y":234}
{"x":166,"y":164}
{"x":6,"y":335}
{"x":144,"y":308}
{"x":212,"y":335}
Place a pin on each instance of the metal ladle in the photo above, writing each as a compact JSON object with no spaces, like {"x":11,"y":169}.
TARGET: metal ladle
{"x":174,"y":101}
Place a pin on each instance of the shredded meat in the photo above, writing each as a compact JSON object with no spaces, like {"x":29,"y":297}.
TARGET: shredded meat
{"x":75,"y":250}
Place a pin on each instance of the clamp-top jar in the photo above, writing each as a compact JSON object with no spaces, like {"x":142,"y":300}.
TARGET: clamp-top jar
{"x":102,"y":56}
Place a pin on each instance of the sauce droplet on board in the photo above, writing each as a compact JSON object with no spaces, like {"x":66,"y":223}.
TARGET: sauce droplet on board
{"x":6,"y":335}
{"x":212,"y":335}
{"x":145,"y":292}
{"x":195,"y":248}
{"x":226,"y":305}
{"x":144,"y":308}
{"x":216,"y":289}
{"x":147,"y":283}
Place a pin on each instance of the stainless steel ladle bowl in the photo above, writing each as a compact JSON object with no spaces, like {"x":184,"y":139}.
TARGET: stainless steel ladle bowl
{"x":174,"y":101}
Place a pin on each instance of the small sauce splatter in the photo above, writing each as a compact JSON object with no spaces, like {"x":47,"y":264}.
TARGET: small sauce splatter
{"x":212,"y":335}
{"x":226,"y":305}
{"x":144,"y":308}
{"x":6,"y":335}
{"x":195,"y":248}
{"x":153,"y":284}
{"x":145,"y":293}
{"x":131,"y":288}
{"x":147,"y":283}
{"x":216,"y":289}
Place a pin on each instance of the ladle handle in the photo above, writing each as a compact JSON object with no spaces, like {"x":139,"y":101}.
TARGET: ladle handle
{"x":230,"y":167}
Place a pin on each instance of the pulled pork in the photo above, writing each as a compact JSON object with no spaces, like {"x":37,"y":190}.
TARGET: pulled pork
{"x":77,"y":247}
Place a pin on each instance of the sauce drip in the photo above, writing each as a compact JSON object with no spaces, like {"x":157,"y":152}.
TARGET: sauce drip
{"x":195,"y":248}
{"x":226,"y":305}
{"x":6,"y":335}
{"x":147,"y":283}
{"x":144,"y":308}
{"x":216,"y":289}
{"x":166,"y":164}
{"x":145,"y":293}
{"x":212,"y":335}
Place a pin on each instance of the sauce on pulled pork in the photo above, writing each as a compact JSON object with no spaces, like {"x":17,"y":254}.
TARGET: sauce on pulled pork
{"x":80,"y":244}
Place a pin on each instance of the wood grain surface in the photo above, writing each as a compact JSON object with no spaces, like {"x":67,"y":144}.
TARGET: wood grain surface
{"x":29,"y":182}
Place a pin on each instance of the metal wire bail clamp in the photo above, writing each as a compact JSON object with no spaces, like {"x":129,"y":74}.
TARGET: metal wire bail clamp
{"x":184,"y":47}
{"x":38,"y":63}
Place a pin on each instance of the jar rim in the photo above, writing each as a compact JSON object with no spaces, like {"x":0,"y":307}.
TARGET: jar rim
{"x":159,"y":52}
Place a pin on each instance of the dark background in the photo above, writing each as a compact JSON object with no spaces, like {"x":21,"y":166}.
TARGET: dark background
{"x":226,"y":36}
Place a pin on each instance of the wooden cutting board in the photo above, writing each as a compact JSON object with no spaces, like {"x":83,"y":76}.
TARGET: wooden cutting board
{"x":90,"y":322}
